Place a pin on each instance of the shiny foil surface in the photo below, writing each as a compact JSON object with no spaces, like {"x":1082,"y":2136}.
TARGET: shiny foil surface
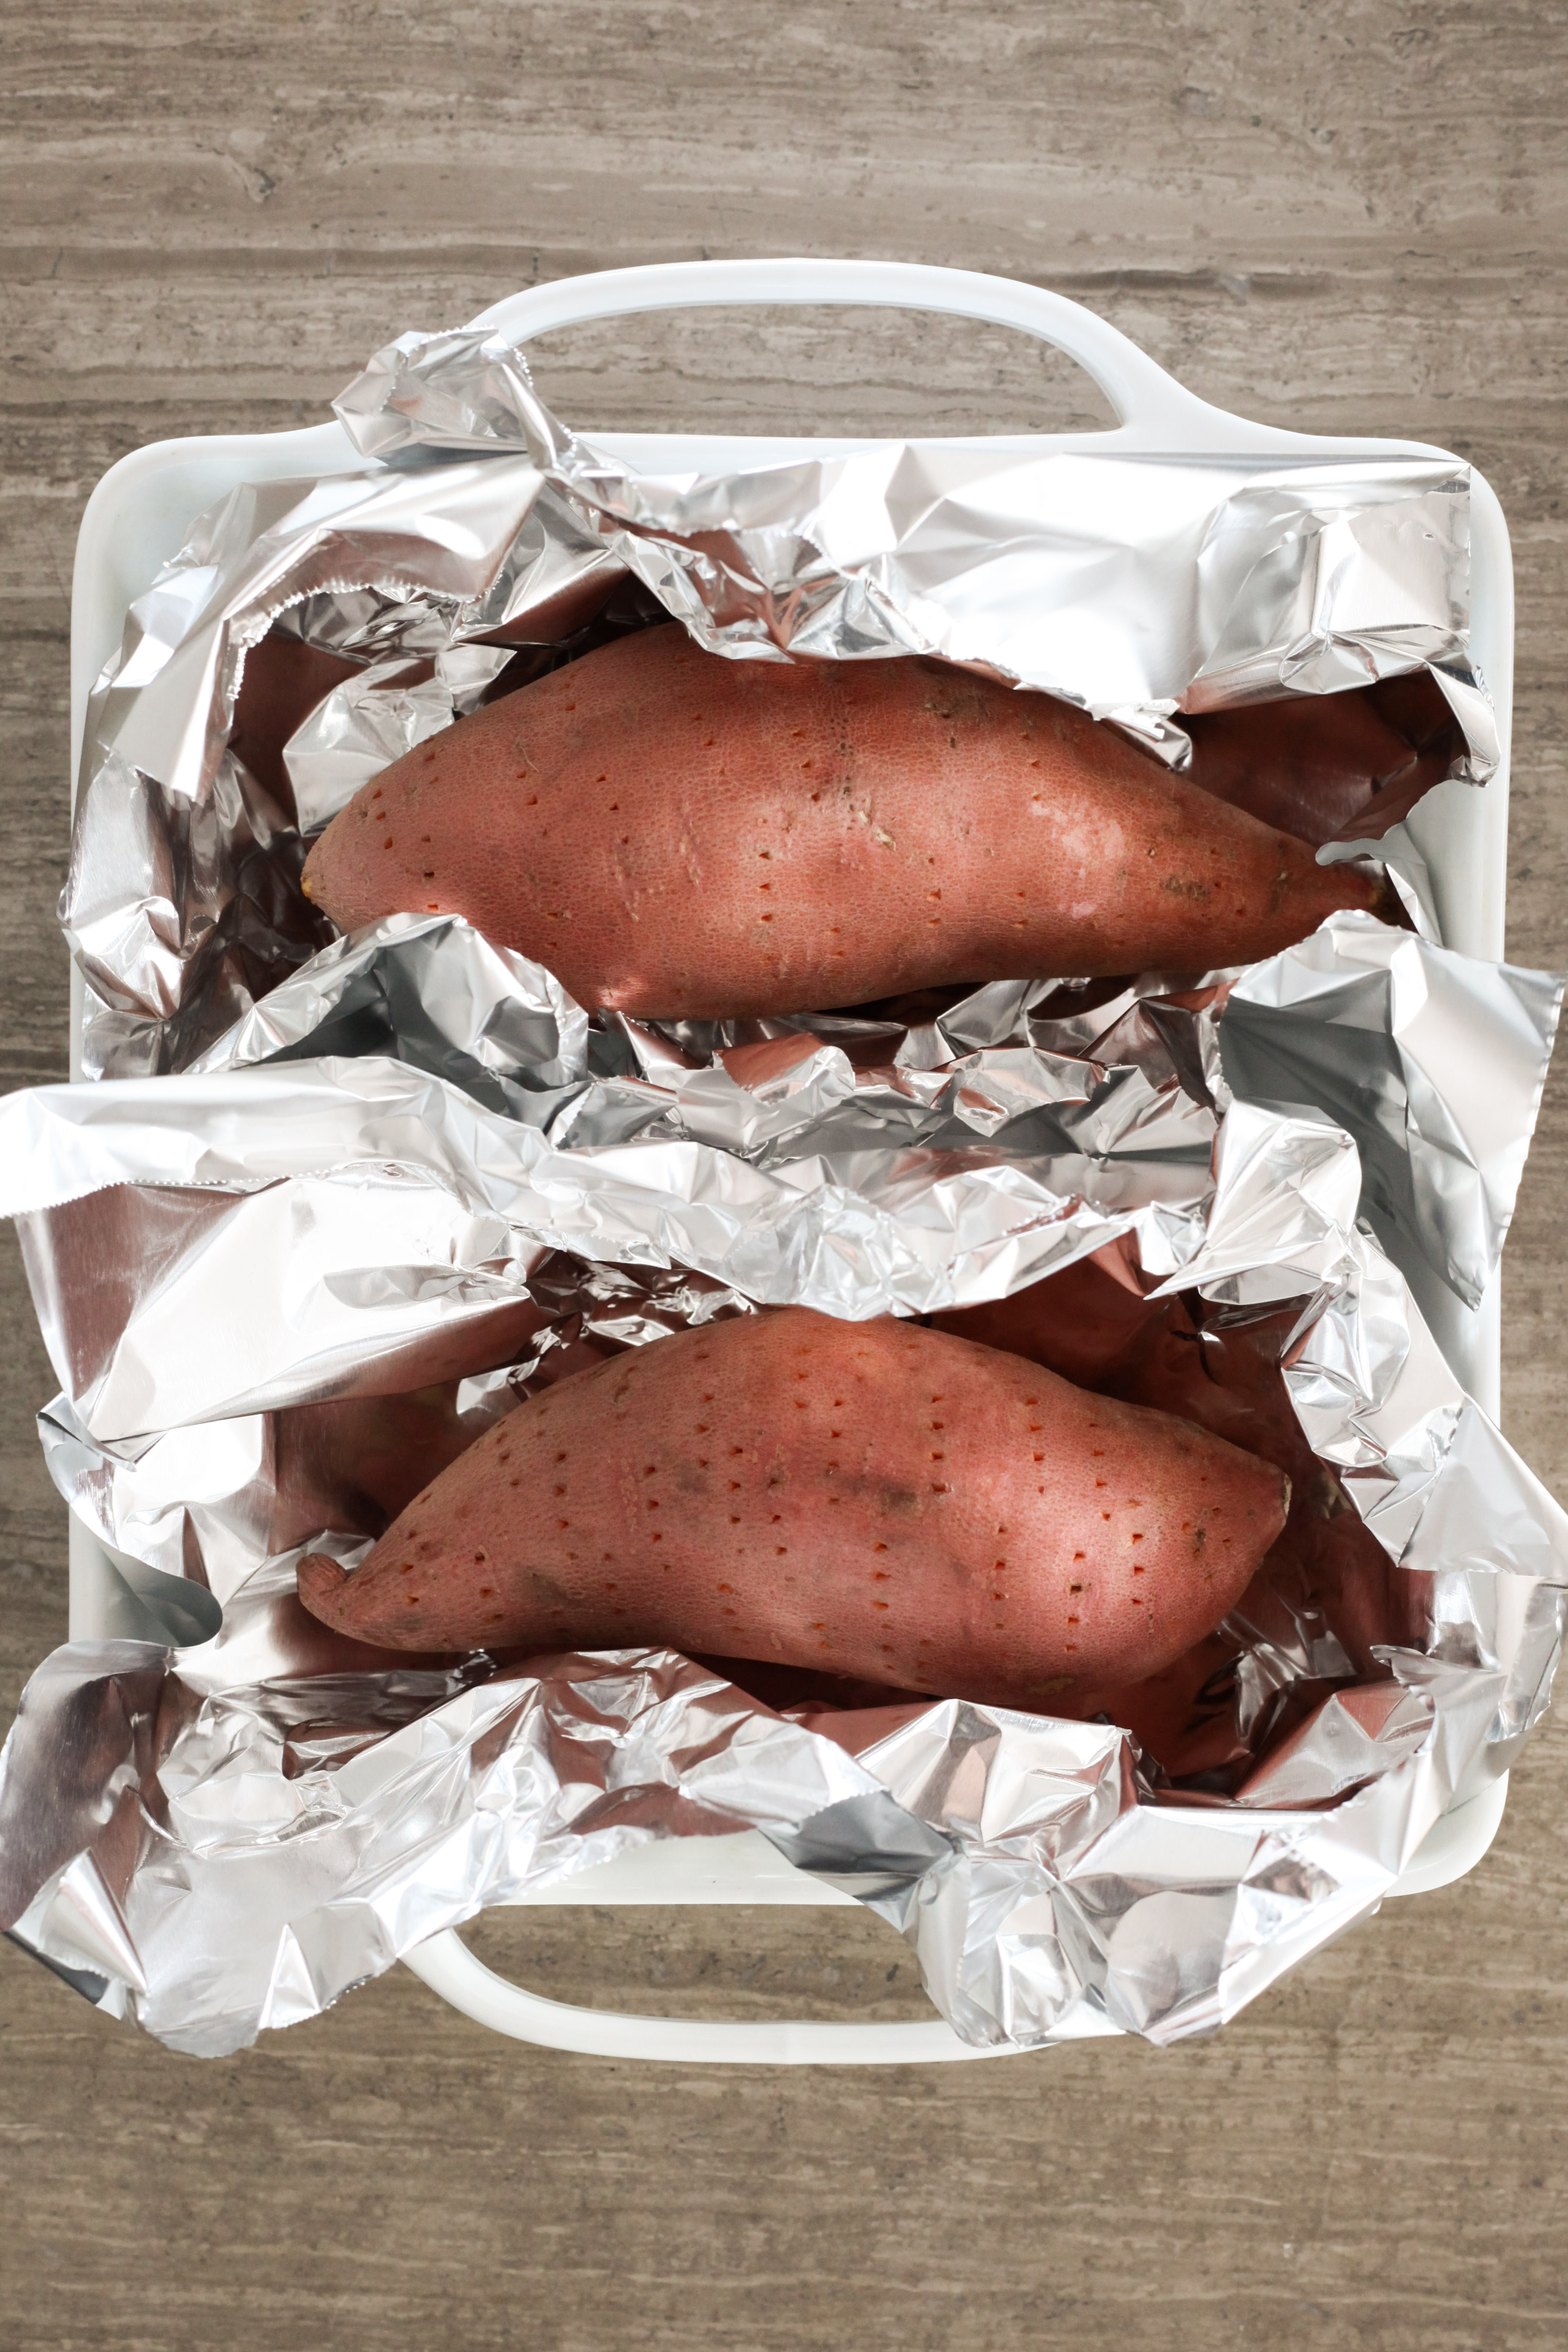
{"x":359,"y":1197}
{"x":309,"y":632}
{"x":256,"y":1820}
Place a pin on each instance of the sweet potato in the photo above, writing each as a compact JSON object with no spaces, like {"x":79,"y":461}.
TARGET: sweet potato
{"x":883,"y":1499}
{"x":1328,"y":1592}
{"x":1330,"y":766}
{"x":677,"y":834}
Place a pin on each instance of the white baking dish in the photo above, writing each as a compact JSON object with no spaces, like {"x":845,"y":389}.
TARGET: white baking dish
{"x":136,"y":520}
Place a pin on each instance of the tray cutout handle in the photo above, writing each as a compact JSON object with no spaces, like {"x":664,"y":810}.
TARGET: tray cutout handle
{"x":1154,"y":409}
{"x":448,"y":1966}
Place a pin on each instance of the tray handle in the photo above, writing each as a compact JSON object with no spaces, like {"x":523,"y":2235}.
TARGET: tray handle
{"x":450,"y":1969}
{"x":1154,"y":409}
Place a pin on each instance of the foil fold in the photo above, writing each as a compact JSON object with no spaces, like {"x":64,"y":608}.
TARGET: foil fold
{"x":411,"y":1182}
{"x":1054,"y":567}
{"x":256,"y":1821}
{"x":1411,"y":1049}
{"x":385,"y":1128}
{"x":308,"y":632}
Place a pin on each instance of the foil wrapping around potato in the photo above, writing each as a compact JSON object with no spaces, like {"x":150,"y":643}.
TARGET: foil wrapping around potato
{"x":228,"y":1826}
{"x":334,"y":1205}
{"x":308,"y":632}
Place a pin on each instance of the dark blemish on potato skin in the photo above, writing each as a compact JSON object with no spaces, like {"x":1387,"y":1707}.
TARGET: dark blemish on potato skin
{"x":546,"y":1589}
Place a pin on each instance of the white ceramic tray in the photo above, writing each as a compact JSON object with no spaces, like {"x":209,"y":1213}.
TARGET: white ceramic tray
{"x":136,"y":520}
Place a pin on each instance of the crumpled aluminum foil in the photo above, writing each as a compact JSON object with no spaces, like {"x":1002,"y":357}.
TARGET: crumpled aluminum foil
{"x":411,"y":1183}
{"x":308,"y":632}
{"x":411,"y":1125}
{"x":1135,"y":585}
{"x":254,"y":1822}
{"x":1412,"y":1049}
{"x":1043,"y":1067}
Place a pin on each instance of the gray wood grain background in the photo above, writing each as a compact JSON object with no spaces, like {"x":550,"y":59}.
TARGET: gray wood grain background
{"x":1348,"y":216}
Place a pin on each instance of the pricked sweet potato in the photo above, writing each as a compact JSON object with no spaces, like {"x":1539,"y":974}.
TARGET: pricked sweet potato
{"x":677,"y":834}
{"x":879,"y":1498}
{"x":1328,"y":1586}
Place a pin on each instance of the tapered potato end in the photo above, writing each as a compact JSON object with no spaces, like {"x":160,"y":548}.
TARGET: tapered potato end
{"x":324,"y":1589}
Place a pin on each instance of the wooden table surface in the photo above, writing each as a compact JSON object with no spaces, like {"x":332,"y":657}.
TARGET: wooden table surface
{"x":1346,"y":218}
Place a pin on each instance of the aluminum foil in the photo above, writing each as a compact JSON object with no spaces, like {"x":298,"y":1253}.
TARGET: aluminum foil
{"x":410,"y":1127}
{"x":1135,"y":585}
{"x":1432,"y":1062}
{"x":1412,"y":1050}
{"x":254,"y":1821}
{"x":246,"y":1827}
{"x":309,"y":631}
{"x":359,"y":1197}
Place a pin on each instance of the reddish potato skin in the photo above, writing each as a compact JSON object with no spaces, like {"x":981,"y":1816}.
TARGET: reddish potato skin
{"x":887,"y":1500}
{"x":1326,"y":1574}
{"x":1328,"y":766}
{"x":679,"y":835}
